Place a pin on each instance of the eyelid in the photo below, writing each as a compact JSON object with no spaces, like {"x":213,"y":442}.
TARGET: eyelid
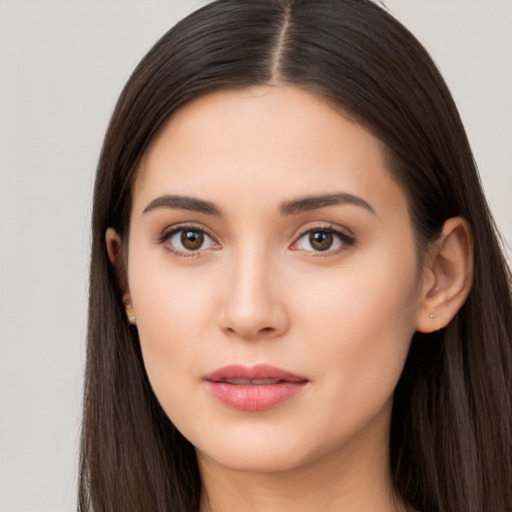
{"x":170,"y":231}
{"x":343,"y":235}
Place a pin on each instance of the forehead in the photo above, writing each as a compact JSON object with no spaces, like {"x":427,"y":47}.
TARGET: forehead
{"x":261,"y":144}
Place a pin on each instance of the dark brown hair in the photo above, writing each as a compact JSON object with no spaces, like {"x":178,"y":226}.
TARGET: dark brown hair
{"x":451,"y":442}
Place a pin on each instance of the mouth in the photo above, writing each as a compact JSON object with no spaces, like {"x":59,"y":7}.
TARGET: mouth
{"x":255,"y":388}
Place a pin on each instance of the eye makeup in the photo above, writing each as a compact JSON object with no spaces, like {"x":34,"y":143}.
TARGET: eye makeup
{"x":189,"y":240}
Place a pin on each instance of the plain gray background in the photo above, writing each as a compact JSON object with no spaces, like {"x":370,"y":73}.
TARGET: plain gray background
{"x":62,"y":65}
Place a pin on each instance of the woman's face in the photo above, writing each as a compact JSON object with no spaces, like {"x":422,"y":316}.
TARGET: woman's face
{"x":274,"y":278}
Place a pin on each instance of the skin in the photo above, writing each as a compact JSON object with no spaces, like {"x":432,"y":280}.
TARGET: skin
{"x":257,"y":291}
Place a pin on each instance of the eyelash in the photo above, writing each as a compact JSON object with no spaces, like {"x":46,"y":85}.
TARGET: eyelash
{"x":169,"y":233}
{"x":344,"y":240}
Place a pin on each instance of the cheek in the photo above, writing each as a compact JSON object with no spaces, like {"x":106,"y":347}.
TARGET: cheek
{"x":363,"y":323}
{"x":175,"y":314}
{"x":371,"y":296}
{"x":172,"y":329}
{"x":169,"y":298}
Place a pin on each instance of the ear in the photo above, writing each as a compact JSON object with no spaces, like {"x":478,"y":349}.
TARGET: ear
{"x":448,"y":275}
{"x":115,"y":255}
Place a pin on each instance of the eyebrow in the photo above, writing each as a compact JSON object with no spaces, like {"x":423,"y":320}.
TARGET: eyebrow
{"x":183,"y":203}
{"x":305,"y":204}
{"x":288,"y":208}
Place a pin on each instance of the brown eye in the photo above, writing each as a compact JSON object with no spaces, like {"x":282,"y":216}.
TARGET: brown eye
{"x":321,"y":240}
{"x":187,"y":241}
{"x":192,"y":240}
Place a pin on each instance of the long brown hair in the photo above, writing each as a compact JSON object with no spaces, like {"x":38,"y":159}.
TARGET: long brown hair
{"x":451,"y":441}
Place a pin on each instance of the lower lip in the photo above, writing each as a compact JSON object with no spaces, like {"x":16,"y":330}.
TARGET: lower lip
{"x":255,"y":397}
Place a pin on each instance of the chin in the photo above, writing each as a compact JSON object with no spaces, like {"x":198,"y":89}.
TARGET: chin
{"x":260,"y":452}
{"x":252,"y":461}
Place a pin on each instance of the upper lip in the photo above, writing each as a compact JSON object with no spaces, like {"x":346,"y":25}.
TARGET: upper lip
{"x":260,"y":372}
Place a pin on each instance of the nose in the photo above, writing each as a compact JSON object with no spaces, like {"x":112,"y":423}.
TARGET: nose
{"x":253,"y":304}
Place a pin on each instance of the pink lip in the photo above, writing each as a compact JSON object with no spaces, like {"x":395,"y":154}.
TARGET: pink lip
{"x":255,"y":388}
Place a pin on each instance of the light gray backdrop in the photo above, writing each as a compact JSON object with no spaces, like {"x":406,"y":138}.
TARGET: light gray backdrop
{"x":62,"y":66}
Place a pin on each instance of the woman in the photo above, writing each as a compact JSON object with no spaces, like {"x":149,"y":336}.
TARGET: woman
{"x":297,"y":295}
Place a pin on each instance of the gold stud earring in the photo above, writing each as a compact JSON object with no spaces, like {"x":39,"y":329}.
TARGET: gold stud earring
{"x":130,"y":314}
